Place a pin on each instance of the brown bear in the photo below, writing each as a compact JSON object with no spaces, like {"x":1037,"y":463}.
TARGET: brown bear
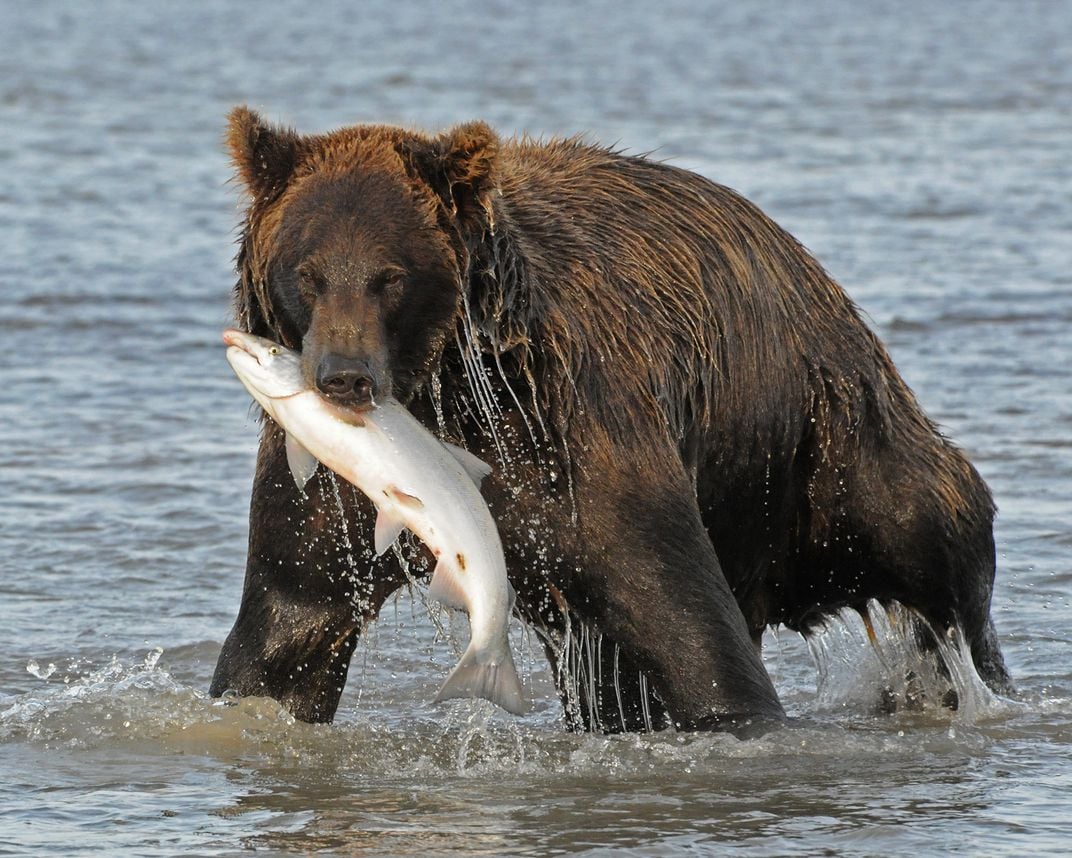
{"x":694,"y":435}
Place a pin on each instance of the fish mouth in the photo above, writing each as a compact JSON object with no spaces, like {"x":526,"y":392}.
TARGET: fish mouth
{"x":265,"y":351}
{"x":261,"y":365}
{"x":256,"y":347}
{"x":249,"y":354}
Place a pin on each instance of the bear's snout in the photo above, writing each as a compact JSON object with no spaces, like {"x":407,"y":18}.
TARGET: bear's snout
{"x":345,"y":379}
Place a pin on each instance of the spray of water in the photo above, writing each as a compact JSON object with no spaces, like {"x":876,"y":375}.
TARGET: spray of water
{"x":361,"y":589}
{"x":891,"y":657}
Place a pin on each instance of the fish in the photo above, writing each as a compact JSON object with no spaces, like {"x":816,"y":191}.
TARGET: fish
{"x":417,"y":483}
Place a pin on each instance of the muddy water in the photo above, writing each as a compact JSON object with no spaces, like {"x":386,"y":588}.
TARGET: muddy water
{"x":923,"y":154}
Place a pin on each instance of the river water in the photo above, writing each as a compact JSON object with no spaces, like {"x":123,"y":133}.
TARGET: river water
{"x":922,"y":151}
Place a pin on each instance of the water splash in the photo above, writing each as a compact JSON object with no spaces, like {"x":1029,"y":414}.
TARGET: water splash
{"x":138,"y":705}
{"x":35,"y":669}
{"x":82,"y":707}
{"x":891,"y":660}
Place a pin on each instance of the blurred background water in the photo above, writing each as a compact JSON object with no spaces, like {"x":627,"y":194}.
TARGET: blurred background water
{"x":922,"y":151}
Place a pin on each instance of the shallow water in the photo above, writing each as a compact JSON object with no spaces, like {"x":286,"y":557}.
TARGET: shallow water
{"x":922,"y":154}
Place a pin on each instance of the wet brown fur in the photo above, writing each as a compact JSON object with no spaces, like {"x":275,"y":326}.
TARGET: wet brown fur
{"x":719,"y":417}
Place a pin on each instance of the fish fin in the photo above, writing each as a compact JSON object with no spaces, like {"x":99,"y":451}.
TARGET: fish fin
{"x":387,"y":529}
{"x":405,"y":498}
{"x":446,"y":587}
{"x":303,"y":464}
{"x":494,"y":681}
{"x":475,"y":467}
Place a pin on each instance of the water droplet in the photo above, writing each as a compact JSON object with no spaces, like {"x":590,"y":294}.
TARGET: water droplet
{"x":41,"y":673}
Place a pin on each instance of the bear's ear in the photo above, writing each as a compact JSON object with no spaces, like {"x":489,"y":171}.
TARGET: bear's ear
{"x":265,"y":156}
{"x":459,"y":165}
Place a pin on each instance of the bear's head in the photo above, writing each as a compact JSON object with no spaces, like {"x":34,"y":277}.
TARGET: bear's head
{"x":356,"y":246}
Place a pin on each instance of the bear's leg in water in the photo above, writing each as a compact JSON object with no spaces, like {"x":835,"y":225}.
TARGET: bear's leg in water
{"x":311,"y":587}
{"x":652,"y":583}
{"x":905,"y":530}
{"x":936,"y":554}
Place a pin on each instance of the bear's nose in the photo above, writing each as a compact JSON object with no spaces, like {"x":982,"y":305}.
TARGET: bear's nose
{"x":345,"y":379}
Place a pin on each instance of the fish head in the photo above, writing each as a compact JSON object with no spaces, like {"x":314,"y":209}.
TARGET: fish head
{"x":268,"y":370}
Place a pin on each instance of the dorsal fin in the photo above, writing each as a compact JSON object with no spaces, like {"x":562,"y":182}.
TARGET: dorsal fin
{"x":475,"y":467}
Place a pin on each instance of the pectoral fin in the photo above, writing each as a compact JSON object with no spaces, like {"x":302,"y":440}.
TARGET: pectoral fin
{"x":476,"y":468}
{"x":303,"y":464}
{"x":387,"y":529}
{"x":446,"y":587}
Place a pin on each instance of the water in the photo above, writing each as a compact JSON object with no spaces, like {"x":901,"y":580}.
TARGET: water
{"x":921,"y":151}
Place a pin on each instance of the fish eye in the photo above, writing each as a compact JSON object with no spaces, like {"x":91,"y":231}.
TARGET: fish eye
{"x":273,"y":350}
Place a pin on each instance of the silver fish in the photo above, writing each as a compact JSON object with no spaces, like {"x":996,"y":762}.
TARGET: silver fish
{"x":417,"y":483}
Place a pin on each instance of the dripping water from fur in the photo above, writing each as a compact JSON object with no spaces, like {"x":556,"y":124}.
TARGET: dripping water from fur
{"x":579,"y":665}
{"x":479,"y":382}
{"x":549,"y":451}
{"x":440,"y":616}
{"x":436,"y":393}
{"x":489,"y":411}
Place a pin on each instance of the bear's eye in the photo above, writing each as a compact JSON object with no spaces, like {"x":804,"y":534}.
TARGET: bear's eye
{"x":389,"y":280}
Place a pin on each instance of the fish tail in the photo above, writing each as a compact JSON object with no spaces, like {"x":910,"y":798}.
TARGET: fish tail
{"x":495,"y":680}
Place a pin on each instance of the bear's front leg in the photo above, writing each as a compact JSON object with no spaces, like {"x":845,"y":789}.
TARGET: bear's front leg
{"x":312,"y":583}
{"x":651,"y":582}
